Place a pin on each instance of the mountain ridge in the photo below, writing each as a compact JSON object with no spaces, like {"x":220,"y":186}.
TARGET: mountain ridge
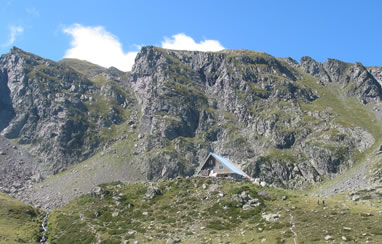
{"x":290,"y":124}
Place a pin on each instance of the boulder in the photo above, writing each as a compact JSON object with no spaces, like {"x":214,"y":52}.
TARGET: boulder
{"x":96,"y":191}
{"x":270,"y":217}
{"x":247,"y":207}
{"x":172,"y":241}
{"x":329,"y":238}
{"x":152,"y":191}
{"x":355,"y":198}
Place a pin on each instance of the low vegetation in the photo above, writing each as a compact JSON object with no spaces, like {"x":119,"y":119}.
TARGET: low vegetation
{"x":19,"y":222}
{"x":200,"y":210}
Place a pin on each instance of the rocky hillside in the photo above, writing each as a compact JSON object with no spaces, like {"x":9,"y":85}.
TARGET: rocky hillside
{"x":290,"y":124}
{"x":197,"y":210}
{"x":56,"y":114}
{"x":260,"y":111}
{"x":283,"y":123}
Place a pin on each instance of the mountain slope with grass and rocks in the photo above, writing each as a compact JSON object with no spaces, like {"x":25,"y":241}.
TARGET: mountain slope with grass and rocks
{"x":201,"y":210}
{"x":68,"y":126}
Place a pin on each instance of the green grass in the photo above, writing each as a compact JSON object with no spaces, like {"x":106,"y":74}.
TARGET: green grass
{"x":337,"y":214}
{"x":349,"y":113}
{"x":193,"y":214}
{"x":19,"y":222}
{"x":283,"y":155}
{"x":82,"y":66}
{"x":347,"y":110}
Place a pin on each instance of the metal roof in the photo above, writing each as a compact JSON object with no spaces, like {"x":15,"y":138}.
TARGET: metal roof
{"x":227,"y":163}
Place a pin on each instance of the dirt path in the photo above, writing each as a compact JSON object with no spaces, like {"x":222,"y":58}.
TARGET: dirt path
{"x":292,"y":225}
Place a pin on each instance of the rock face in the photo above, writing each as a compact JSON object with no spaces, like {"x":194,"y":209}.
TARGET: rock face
{"x":53,"y":110}
{"x":251,"y":106}
{"x":355,"y":79}
{"x":287,"y":123}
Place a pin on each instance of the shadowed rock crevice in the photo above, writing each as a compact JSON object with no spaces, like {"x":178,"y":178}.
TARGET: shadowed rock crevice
{"x":6,"y":110}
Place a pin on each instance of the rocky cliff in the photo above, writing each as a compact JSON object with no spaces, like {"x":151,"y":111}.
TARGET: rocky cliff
{"x":290,"y":124}
{"x":260,"y":111}
{"x":56,"y":113}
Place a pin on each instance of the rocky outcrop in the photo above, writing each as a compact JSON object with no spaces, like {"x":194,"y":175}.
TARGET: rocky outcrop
{"x":53,"y":110}
{"x":355,"y":79}
{"x":152,"y":191}
{"x":376,"y":72}
{"x":246,"y":105}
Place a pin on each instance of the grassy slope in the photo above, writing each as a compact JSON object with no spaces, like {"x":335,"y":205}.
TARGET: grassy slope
{"x":82,"y":66}
{"x":19,"y":222}
{"x":195,"y":214}
{"x":350,"y":113}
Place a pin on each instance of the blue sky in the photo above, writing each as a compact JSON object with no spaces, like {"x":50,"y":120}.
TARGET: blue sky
{"x":112,"y":31}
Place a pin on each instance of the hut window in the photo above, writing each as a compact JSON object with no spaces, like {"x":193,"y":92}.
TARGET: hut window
{"x":211,"y":162}
{"x":221,"y":167}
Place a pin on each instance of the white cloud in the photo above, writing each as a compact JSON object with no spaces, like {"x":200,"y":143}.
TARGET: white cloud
{"x":101,"y":47}
{"x":98,"y":46}
{"x":14,"y":31}
{"x":183,"y":42}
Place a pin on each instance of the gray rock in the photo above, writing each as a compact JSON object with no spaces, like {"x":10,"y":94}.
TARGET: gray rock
{"x":244,"y":196}
{"x":329,"y":238}
{"x":132,"y":232}
{"x":270,"y":217}
{"x":152,"y":191}
{"x":355,"y":198}
{"x":247,"y":207}
{"x":172,"y":241}
{"x":96,"y":190}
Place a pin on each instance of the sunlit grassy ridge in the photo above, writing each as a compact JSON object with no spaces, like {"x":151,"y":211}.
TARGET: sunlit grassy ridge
{"x":19,"y":222}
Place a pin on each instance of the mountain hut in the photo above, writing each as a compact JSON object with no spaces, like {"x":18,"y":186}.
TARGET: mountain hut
{"x":218,"y":166}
